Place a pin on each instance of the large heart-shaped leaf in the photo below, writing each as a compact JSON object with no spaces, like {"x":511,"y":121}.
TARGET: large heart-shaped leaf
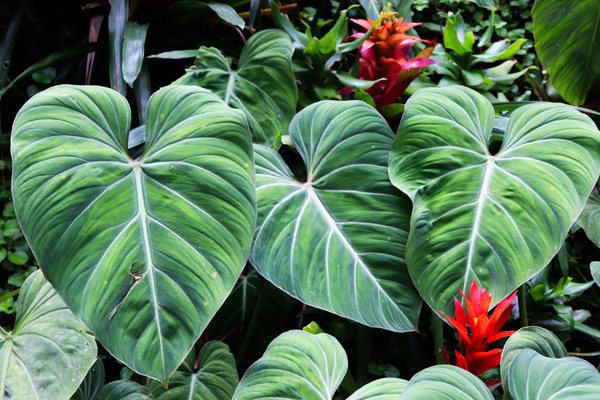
{"x":296,"y":366}
{"x":49,"y":351}
{"x":530,"y":337}
{"x":144,"y":252}
{"x":533,"y":376}
{"x":500,"y":217}
{"x":567,"y":40}
{"x":445,"y":382}
{"x":263,"y":86}
{"x":211,"y":376}
{"x":336,"y":241}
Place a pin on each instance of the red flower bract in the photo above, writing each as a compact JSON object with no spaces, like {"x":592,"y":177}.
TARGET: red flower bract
{"x":476,"y":331}
{"x":384,"y":55}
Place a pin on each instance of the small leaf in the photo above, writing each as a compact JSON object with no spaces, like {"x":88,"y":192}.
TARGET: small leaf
{"x":133,"y":50}
{"x":227,"y":14}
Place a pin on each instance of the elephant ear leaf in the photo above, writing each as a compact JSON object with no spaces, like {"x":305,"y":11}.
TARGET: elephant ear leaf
{"x":49,"y":351}
{"x":337,"y":241}
{"x":143,"y":251}
{"x":263,"y":85}
{"x":498,"y":217}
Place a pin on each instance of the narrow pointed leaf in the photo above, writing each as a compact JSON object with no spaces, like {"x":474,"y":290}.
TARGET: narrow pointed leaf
{"x":337,"y":241}
{"x":143,"y":252}
{"x":133,"y":50}
{"x":227,"y":14}
{"x":533,"y":376}
{"x":117,"y":19}
{"x":125,"y":390}
{"x":381,"y":389}
{"x":498,"y":218}
{"x":535,"y":338}
{"x":371,"y":7}
{"x":445,"y":382}
{"x":558,"y":29}
{"x":92,"y":384}
{"x":296,"y":366}
{"x":215,"y":377}
{"x":49,"y":351}
{"x":263,"y":86}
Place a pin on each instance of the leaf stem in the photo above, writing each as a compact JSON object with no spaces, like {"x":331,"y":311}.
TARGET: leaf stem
{"x":522,"y":306}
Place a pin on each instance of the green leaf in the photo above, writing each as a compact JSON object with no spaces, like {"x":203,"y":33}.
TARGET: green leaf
{"x":567,"y":41}
{"x":589,"y":219}
{"x":185,"y":210}
{"x":92,"y":384}
{"x":451,"y":39}
{"x":18,"y":257}
{"x":263,"y":86}
{"x":530,"y":337}
{"x":327,"y":43}
{"x":175,"y":55}
{"x":501,"y":50}
{"x":239,"y":308}
{"x":296,"y":365}
{"x":445,"y":382}
{"x":215,"y":377}
{"x":371,"y":7}
{"x":353,"y":82}
{"x":300,"y":39}
{"x":117,"y":19}
{"x":49,"y":351}
{"x":125,"y":390}
{"x":227,"y":14}
{"x":337,"y":241}
{"x":381,"y":389}
{"x":534,"y":376}
{"x":498,"y":218}
{"x":491,"y":4}
{"x":133,"y":50}
{"x":595,"y":269}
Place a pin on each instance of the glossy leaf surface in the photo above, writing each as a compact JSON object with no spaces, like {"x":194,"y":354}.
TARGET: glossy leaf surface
{"x":297,"y":365}
{"x":337,"y":241}
{"x":144,"y":251}
{"x":445,"y":382}
{"x":567,"y":41}
{"x":381,"y":389}
{"x":534,"y":376}
{"x":214,"y":378}
{"x":49,"y":351}
{"x":498,"y":218}
{"x":595,"y":270}
{"x":262,"y":86}
{"x":530,"y":337}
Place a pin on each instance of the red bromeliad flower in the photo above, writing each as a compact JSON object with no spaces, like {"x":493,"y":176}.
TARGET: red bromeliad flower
{"x":384,"y":55}
{"x":476,"y":331}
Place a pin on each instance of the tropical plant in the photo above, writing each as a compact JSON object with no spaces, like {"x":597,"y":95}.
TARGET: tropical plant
{"x":182,"y":245}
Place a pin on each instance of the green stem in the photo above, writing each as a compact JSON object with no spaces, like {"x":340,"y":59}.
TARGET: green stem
{"x":537,"y":88}
{"x":9,"y":295}
{"x":437,"y":331}
{"x":522,"y":306}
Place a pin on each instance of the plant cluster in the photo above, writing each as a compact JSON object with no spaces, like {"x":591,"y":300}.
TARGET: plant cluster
{"x":331,"y":200}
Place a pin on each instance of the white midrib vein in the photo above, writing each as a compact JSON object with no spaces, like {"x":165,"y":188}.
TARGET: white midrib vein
{"x":483,"y":192}
{"x":331,"y":222}
{"x":137,"y":171}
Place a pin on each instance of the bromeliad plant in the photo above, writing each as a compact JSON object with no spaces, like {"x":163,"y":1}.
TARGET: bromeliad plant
{"x":146,"y":250}
{"x":384,"y":57}
{"x":477,"y":331}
